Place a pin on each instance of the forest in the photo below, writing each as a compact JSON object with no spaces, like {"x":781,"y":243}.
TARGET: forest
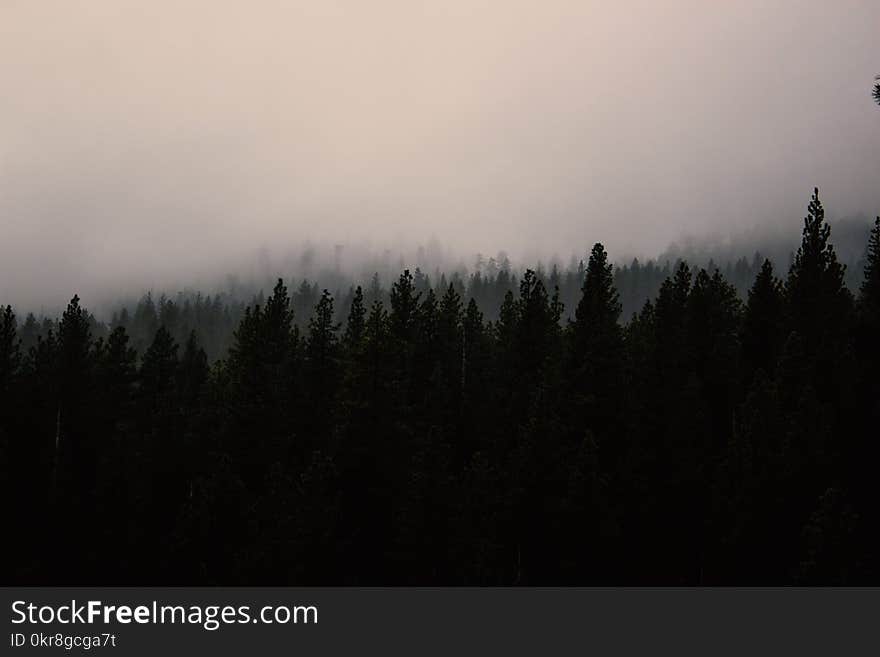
{"x":551,"y":428}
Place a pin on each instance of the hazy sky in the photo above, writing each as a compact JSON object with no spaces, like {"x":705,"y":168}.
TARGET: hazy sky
{"x":143,"y":140}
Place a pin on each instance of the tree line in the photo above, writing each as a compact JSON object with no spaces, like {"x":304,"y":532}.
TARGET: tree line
{"x":214,"y":317}
{"x":413,"y":439}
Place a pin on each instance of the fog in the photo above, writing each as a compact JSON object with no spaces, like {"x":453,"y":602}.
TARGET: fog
{"x":164,"y":143}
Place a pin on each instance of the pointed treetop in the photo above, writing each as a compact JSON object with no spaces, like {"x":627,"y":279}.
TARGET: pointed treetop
{"x":815,"y":258}
{"x":599,"y":302}
{"x":404,"y":304}
{"x":354,"y":327}
{"x":10,"y":355}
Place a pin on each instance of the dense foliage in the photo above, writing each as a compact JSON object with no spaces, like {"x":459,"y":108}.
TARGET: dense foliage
{"x":413,"y":439}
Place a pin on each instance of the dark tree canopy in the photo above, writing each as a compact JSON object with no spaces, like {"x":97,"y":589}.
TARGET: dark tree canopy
{"x":504,"y":429}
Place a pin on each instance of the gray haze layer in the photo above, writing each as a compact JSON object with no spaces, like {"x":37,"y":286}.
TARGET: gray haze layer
{"x":162,"y":143}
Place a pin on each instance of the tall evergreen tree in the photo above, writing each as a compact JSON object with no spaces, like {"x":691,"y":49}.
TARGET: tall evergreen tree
{"x":10,"y":350}
{"x":425,"y":356}
{"x":819,"y":303}
{"x":762,"y":330}
{"x":74,"y":371}
{"x":158,"y":369}
{"x":116,"y":376}
{"x":262,"y":367}
{"x":10,"y":361}
{"x":377,"y":338}
{"x":354,"y":327}
{"x":404,"y":308}
{"x":323,"y":339}
{"x":476,"y":377}
{"x":265,"y":342}
{"x":450,"y":345}
{"x":192,"y":373}
{"x":75,"y":343}
{"x":322,"y":373}
{"x":537,"y":325}
{"x":820,"y":311}
{"x":596,"y":359}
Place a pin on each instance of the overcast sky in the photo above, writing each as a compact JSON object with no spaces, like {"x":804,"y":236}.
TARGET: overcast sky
{"x":141,"y":141}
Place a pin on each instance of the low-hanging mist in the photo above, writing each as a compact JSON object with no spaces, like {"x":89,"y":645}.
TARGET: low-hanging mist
{"x":169,"y":144}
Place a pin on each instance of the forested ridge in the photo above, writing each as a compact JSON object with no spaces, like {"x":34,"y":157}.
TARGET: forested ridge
{"x":513,"y":431}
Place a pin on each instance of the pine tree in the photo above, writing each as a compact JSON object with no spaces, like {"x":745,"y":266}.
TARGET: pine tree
{"x":192,"y":373}
{"x":263,"y":396}
{"x":819,"y":303}
{"x":322,"y":370}
{"x":505,"y":327}
{"x":10,"y":351}
{"x":74,"y":374}
{"x":75,"y":343}
{"x":10,"y":361}
{"x":676,"y":431}
{"x":169,"y":315}
{"x":404,"y":308}
{"x":322,"y":340}
{"x":537,"y":325}
{"x":762,"y":330}
{"x":354,"y":327}
{"x":425,"y":349}
{"x":264,"y":346}
{"x":598,"y":310}
{"x":76,"y":443}
{"x":118,"y":452}
{"x":640,"y":338}
{"x":596,"y":354}
{"x":426,"y":320}
{"x":449,"y":322}
{"x":820,"y":311}
{"x":476,"y":366}
{"x":595,"y":332}
{"x":472,"y":322}
{"x":145,"y":323}
{"x":713,"y":319}
{"x":117,"y":371}
{"x":376,"y":338}
{"x":28,"y":333}
{"x":449,"y":343}
{"x":119,"y":357}
{"x":158,"y":369}
{"x":713,"y":322}
{"x":670,"y":319}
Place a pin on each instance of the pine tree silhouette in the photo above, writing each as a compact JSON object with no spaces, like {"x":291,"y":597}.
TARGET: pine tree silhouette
{"x":818,"y":300}
{"x":354,"y":327}
{"x":762,"y":331}
{"x":10,"y":350}
{"x":597,"y":358}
